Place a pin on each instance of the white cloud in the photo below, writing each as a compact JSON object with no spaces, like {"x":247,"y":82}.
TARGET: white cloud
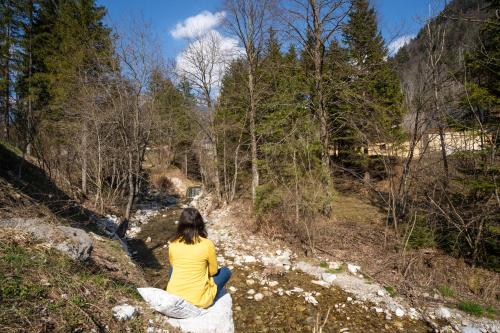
{"x":398,"y":43}
{"x":198,"y":25}
{"x":210,"y":52}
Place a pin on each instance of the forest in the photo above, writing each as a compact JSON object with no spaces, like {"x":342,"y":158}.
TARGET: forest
{"x":312,"y":105}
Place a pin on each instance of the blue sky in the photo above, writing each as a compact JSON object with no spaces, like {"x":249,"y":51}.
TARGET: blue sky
{"x":397,"y":18}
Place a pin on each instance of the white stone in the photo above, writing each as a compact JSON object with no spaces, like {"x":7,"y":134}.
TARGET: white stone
{"x":272,"y":283}
{"x":321,"y":283}
{"x":399,"y":312}
{"x":233,"y":289}
{"x":148,"y":240}
{"x":380,"y":293}
{"x":250,"y":282}
{"x":311,"y":299}
{"x":124,"y":312}
{"x":258,"y":297}
{"x":328,"y":277}
{"x":334,"y":265}
{"x":249,"y":259}
{"x":378,"y":310}
{"x":443,"y":312}
{"x":216,"y":319}
{"x":251,"y":292}
{"x":297,"y":290}
{"x":353,"y":269}
{"x":470,"y":329}
{"x":349,"y":299}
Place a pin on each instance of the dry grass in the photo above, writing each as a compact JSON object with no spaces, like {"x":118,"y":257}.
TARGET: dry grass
{"x":356,"y":232}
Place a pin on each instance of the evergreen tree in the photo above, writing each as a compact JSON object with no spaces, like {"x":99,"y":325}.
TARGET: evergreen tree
{"x":483,"y":66}
{"x":376,"y":104}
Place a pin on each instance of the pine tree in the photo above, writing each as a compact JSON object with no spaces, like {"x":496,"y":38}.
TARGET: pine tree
{"x":376,"y":105}
{"x":483,"y":66}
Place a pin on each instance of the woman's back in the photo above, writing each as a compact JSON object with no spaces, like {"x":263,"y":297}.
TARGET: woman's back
{"x":192,"y":268}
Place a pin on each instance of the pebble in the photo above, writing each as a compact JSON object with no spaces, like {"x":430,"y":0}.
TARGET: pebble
{"x":232,"y":289}
{"x":258,"y":297}
{"x":273,"y":284}
{"x":349,"y":299}
{"x":353,"y":269}
{"x":399,"y":312}
{"x":334,"y":265}
{"x":148,"y":240}
{"x":250,"y":282}
{"x":321,"y":283}
{"x":311,"y":299}
{"x":124,"y":312}
{"x":251,"y":292}
{"x":380,"y":293}
{"x":249,"y":259}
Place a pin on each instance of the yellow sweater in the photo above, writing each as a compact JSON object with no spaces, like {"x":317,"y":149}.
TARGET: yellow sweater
{"x":192,"y":268}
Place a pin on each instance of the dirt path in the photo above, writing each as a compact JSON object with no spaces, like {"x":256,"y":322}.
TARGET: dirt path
{"x":288,"y":296}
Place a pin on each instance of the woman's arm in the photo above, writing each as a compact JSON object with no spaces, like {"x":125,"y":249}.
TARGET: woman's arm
{"x":212,"y":259}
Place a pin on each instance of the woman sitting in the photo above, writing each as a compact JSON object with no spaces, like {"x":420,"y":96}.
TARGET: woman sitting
{"x":194,"y":274}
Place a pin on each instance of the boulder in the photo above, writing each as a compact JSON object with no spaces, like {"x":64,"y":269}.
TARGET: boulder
{"x":216,"y":319}
{"x":74,"y":242}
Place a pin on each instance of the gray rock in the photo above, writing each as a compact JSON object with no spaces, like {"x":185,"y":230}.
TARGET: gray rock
{"x":305,"y":267}
{"x":328,"y":277}
{"x":216,"y":319}
{"x":443,"y":312}
{"x":74,"y":242}
{"x":470,"y":329}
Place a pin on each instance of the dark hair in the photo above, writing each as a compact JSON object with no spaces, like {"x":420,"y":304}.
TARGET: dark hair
{"x":191,"y":226}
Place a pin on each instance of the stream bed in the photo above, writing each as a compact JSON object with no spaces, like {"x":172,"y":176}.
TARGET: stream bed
{"x":281,"y":309}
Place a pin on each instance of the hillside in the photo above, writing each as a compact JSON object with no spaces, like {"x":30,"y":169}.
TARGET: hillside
{"x":43,"y":289}
{"x":460,"y":22}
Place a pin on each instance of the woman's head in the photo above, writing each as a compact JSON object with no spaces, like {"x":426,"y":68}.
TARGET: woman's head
{"x":191,"y":226}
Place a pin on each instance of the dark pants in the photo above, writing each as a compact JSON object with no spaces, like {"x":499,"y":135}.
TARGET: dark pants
{"x":223,"y":275}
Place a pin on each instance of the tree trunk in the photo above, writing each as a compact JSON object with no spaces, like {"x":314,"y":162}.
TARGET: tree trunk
{"x":318,"y":85}
{"x":131,"y":186}
{"x":253,"y":137}
{"x":84,"y":159}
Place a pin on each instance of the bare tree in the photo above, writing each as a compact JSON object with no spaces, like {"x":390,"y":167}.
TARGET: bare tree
{"x":202,"y":63}
{"x":140,"y":57}
{"x":249,"y":20}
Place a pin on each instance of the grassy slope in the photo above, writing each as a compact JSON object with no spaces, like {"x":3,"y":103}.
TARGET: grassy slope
{"x":41,"y":290}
